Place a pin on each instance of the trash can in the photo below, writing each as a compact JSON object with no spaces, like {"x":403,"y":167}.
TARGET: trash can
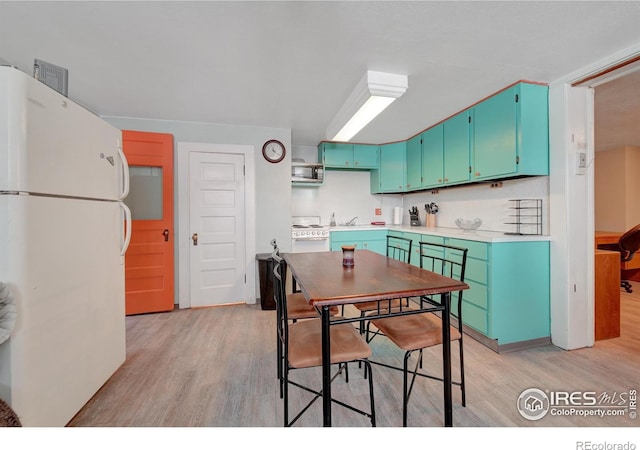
{"x":265,"y":273}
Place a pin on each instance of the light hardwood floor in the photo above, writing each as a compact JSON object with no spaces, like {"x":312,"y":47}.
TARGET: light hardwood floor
{"x":215,"y":367}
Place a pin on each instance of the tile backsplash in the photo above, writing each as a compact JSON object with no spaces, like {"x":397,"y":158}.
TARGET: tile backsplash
{"x":491,"y":205}
{"x":346,"y":193}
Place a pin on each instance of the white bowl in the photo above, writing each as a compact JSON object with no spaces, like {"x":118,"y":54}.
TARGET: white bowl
{"x":467,"y":224}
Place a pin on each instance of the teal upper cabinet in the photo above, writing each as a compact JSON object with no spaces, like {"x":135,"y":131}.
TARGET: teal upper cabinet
{"x":457,"y":145}
{"x":337,"y":155}
{"x":391,"y":174}
{"x":414,"y":163}
{"x":504,"y":136}
{"x":365,"y":156}
{"x":511,"y":136}
{"x":433,"y":157}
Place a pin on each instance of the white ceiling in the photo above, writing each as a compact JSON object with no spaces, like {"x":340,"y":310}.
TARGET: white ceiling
{"x":291,"y":64}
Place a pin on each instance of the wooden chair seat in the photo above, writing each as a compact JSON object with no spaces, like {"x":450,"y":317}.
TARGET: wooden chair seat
{"x":305,"y":344}
{"x":415,"y":331}
{"x":298,"y":308}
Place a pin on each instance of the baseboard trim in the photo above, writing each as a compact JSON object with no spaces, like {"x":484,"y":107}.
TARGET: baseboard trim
{"x":523,"y":345}
{"x":502,"y":348}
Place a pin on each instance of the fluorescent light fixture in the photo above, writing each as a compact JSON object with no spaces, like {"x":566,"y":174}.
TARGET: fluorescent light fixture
{"x":374,"y":92}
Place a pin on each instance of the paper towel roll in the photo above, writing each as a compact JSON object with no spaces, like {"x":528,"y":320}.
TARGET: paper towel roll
{"x":397,"y":215}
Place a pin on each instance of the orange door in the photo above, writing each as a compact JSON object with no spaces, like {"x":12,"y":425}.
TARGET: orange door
{"x":149,"y":278}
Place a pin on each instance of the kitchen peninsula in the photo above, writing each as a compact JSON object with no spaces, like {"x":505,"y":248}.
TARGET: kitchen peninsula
{"x":507,"y":306}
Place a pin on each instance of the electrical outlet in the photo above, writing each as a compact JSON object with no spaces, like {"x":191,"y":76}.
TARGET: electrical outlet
{"x":378,"y":211}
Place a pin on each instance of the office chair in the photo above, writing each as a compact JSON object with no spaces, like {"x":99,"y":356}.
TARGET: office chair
{"x":413,"y":333}
{"x":627,"y":245}
{"x":300,"y":347}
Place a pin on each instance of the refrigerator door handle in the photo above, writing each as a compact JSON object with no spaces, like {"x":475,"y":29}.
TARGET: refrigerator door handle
{"x":127,"y":223}
{"x":125,"y":174}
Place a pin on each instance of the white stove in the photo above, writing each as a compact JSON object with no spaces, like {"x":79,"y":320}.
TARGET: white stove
{"x":310,"y":232}
{"x":308,"y":235}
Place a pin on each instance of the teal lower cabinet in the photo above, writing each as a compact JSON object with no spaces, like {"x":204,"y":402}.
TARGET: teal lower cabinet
{"x":520,"y":292}
{"x":374,"y":240}
{"x":416,"y":238}
{"x":507,"y":305}
{"x":475,"y":299}
{"x":508,"y":296}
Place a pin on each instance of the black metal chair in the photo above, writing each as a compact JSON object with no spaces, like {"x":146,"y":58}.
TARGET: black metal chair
{"x":416,"y":332}
{"x":627,"y":245}
{"x":300,"y":346}
{"x":297,"y":306}
{"x":397,"y":248}
{"x":297,"y":309}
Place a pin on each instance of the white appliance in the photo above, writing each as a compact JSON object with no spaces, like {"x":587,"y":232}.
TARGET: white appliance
{"x":308,"y":235}
{"x":306,"y":173}
{"x":63,"y":234}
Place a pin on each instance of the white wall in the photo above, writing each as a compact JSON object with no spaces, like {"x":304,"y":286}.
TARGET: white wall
{"x":572,"y":238}
{"x":571,"y":129}
{"x":344,"y":192}
{"x":491,"y":205}
{"x":272,"y":181}
{"x":617,"y":186}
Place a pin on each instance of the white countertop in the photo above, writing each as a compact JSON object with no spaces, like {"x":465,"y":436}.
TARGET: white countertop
{"x":457,"y":233}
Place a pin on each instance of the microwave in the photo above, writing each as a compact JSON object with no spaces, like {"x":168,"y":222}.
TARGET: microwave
{"x":307,"y":173}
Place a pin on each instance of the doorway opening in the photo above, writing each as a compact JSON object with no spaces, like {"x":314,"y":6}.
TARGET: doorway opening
{"x":616,"y":149}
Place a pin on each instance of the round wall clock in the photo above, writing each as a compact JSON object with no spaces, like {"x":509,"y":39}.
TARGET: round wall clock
{"x":273,"y":151}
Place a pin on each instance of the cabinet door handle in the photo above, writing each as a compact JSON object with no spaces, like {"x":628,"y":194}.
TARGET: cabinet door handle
{"x":194,"y":238}
{"x":165,"y":233}
{"x":477,"y":174}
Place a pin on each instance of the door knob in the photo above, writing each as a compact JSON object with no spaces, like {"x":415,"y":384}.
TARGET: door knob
{"x":194,"y":238}
{"x":165,"y":233}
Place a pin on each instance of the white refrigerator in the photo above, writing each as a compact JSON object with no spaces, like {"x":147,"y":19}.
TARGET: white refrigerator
{"x":63,"y":233}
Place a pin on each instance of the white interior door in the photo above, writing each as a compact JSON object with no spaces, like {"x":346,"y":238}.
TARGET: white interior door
{"x":217,"y":220}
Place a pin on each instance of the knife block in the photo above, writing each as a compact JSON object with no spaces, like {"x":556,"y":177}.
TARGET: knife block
{"x":431,"y":220}
{"x":415,"y":220}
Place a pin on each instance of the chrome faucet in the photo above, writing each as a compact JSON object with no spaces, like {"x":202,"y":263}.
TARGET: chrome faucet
{"x":351,"y":222}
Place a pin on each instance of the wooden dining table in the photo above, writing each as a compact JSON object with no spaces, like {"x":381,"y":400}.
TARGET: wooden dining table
{"x":374,"y":277}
